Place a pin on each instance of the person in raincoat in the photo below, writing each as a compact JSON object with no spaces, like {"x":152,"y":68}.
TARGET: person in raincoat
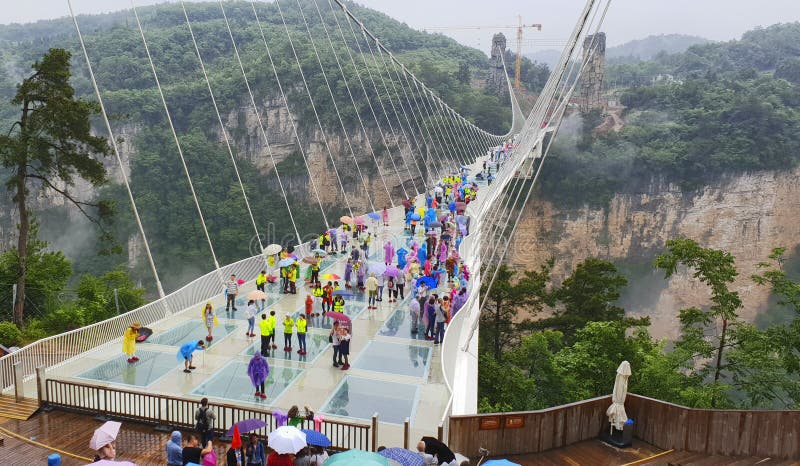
{"x":210,"y":320}
{"x":348,"y":272}
{"x":388,"y":253}
{"x":385,"y":215}
{"x":129,"y":342}
{"x":401,"y":258}
{"x":186,"y":351}
{"x":422,"y":255}
{"x":175,"y":449}
{"x":258,"y":370}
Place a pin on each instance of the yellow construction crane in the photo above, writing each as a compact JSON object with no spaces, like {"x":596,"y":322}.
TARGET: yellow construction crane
{"x":519,"y":27}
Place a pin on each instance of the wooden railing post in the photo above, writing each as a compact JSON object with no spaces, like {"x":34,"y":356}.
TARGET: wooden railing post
{"x":40,"y":374}
{"x":19,"y":390}
{"x":406,"y":433}
{"x":374,"y":432}
{"x":440,"y":432}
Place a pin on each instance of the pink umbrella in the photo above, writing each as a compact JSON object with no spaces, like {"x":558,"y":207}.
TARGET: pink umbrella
{"x":343,"y":319}
{"x":359,"y":221}
{"x":104,"y":435}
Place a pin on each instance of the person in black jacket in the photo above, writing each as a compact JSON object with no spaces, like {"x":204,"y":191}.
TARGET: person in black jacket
{"x":434,"y":447}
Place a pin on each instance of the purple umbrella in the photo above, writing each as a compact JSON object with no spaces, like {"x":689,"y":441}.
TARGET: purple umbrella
{"x":248,"y":425}
{"x":374,"y":215}
{"x":392,"y":271}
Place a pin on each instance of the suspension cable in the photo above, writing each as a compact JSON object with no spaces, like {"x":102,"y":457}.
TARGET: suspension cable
{"x":314,"y":108}
{"x":260,"y":123}
{"x":177,"y":142}
{"x":336,"y":107}
{"x":222,"y":127}
{"x":289,"y":111}
{"x":111,"y":137}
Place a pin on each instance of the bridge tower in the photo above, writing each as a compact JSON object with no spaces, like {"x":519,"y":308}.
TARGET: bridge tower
{"x":592,"y":77}
{"x":496,"y":82}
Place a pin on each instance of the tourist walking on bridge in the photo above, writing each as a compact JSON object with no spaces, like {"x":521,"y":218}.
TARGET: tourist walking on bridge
{"x":129,"y":342}
{"x":258,"y":371}
{"x":232,"y":287}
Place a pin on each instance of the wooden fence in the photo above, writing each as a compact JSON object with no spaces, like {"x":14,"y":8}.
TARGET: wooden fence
{"x":774,"y":434}
{"x":175,"y":412}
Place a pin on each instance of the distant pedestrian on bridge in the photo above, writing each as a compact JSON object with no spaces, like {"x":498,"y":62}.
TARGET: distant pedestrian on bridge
{"x":210,"y":320}
{"x":186,"y":351}
{"x":232,"y":285}
{"x":258,"y":371}
{"x":129,"y":342}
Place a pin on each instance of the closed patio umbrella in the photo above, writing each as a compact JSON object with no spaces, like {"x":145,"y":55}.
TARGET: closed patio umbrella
{"x":616,"y":412}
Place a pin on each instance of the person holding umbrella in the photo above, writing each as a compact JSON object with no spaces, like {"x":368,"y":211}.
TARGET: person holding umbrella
{"x":103,"y":441}
{"x":258,"y":370}
{"x":234,"y":455}
{"x":129,"y":342}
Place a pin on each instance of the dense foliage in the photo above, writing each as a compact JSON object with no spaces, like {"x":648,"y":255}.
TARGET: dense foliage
{"x":559,"y":354}
{"x":723,"y":111}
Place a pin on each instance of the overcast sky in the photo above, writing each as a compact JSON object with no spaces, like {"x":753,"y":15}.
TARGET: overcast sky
{"x":626,"y":20}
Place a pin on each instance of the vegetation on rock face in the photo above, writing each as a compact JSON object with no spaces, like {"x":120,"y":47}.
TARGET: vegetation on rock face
{"x":718,"y":361}
{"x":724,"y":111}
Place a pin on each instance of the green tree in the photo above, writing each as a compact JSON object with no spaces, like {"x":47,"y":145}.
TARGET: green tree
{"x":704,"y":354}
{"x":507,"y":296}
{"x":588,"y":295}
{"x":97,"y":297}
{"x":463,"y":75}
{"x":47,"y":147}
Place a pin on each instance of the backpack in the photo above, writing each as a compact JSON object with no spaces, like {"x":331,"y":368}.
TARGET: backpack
{"x":202,"y":420}
{"x":390,"y":284}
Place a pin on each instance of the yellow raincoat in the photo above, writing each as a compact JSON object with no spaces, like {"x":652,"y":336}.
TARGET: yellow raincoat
{"x":203,"y":313}
{"x":129,"y":341}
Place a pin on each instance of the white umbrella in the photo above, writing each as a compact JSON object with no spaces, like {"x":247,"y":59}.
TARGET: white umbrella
{"x":272,"y":249}
{"x":104,"y":435}
{"x":286,"y":439}
{"x":616,"y":412}
{"x":255,"y":295}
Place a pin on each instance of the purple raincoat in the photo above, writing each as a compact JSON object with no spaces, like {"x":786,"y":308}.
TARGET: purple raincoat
{"x":258,"y":369}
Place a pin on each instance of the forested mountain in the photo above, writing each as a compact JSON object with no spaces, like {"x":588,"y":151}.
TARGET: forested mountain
{"x":728,"y":107}
{"x":650,"y":46}
{"x":120,"y":64}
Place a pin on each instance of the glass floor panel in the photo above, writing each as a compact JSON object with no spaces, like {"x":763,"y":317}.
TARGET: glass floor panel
{"x":360,"y":398}
{"x":190,"y":331}
{"x":151,"y":366}
{"x":316,"y":344}
{"x":232,"y":383}
{"x":394,"y":358}
{"x":241,"y":305}
{"x":399,"y":325}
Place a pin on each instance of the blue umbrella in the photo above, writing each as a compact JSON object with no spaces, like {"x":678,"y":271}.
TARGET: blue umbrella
{"x":316,"y":438}
{"x":463,"y":167}
{"x":248,"y":425}
{"x":403,"y":456}
{"x":374,"y":215}
{"x":500,"y":463}
{"x":319,"y":252}
{"x":430,"y":282}
{"x":359,"y":457}
{"x":415,"y":216}
{"x":343,"y":293}
{"x":286,"y":262}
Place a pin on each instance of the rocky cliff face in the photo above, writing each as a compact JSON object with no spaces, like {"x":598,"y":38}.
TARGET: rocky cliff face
{"x":747,"y":215}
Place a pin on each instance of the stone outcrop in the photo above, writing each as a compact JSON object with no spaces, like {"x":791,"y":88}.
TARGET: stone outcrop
{"x":746,"y":215}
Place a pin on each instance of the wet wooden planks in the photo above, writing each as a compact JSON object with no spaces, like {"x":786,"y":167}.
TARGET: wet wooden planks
{"x":10,"y":408}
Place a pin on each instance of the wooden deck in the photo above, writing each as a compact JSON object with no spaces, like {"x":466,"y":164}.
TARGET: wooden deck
{"x":597,"y":453}
{"x":140,"y":443}
{"x":23,"y":410}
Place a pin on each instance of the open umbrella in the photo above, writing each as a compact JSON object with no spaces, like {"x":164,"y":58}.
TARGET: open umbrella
{"x":316,"y":438}
{"x":359,"y":457}
{"x":248,"y":425}
{"x":320,"y":252}
{"x":430,"y":233}
{"x":104,"y":435}
{"x":461,"y":219}
{"x":435,"y":224}
{"x":392,"y":271}
{"x":343,"y":293}
{"x":287,"y":439}
{"x":503,"y":462}
{"x":286,"y":262}
{"x":255,"y":295}
{"x":345,"y":219}
{"x":343,"y":319}
{"x":374,"y":215}
{"x":430,"y":282}
{"x":403,"y":456}
{"x":416,"y":217}
{"x":331,"y":276}
{"x":310,"y":260}
{"x":112,"y":463}
{"x":272,"y":249}
{"x":359,"y":221}
{"x":376,"y":268}
{"x":616,"y":412}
